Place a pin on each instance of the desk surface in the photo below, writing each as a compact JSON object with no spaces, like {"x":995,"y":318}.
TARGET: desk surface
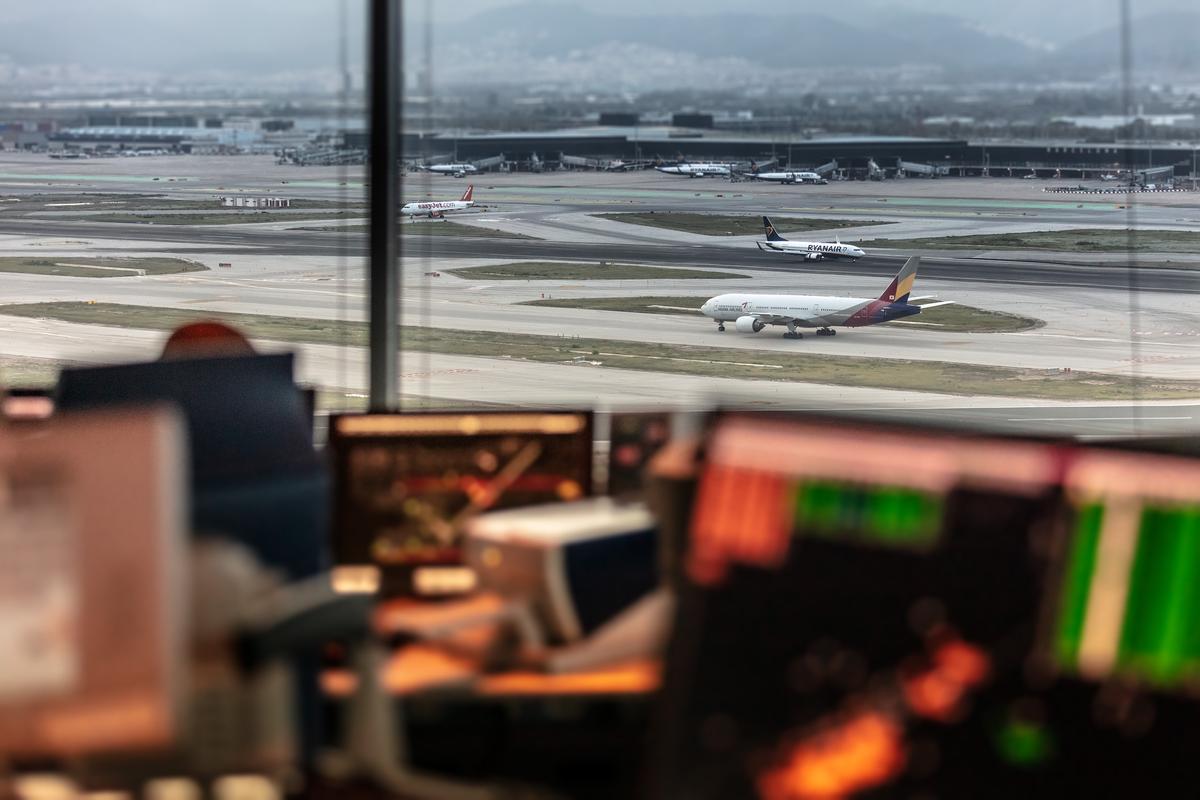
{"x":421,"y":668}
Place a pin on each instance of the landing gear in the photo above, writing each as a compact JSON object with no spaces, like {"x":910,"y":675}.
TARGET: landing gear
{"x":826,"y":332}
{"x":721,"y":327}
{"x":793,"y":335}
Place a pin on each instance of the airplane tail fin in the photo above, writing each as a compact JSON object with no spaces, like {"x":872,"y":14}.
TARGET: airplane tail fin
{"x":772,"y":234}
{"x":901,"y":285}
{"x":467,"y":195}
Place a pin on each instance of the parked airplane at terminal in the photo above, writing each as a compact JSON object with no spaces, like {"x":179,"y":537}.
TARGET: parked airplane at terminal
{"x":696,"y":169}
{"x":788,"y":177}
{"x":438,"y":208}
{"x":457,"y":170}
{"x":810,"y":251}
{"x":750,"y":313}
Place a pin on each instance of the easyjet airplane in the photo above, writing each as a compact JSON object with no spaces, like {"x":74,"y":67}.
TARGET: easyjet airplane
{"x":438,"y":208}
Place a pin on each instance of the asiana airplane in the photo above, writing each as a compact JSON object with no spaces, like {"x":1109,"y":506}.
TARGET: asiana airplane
{"x":750,"y":313}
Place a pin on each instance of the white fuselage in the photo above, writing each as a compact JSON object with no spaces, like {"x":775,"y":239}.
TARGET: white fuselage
{"x":806,"y":311}
{"x":790,"y":177}
{"x":813,"y":251}
{"x":435,"y":208}
{"x":697,"y":170}
{"x":453,"y":169}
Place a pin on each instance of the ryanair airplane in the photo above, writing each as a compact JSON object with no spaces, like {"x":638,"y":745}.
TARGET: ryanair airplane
{"x":750,"y":313}
{"x":809,"y":251}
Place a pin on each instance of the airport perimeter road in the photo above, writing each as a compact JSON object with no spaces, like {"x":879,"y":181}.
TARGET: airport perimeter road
{"x":200,"y":239}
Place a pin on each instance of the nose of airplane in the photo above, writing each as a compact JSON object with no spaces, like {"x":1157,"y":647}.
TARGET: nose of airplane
{"x":707,"y":307}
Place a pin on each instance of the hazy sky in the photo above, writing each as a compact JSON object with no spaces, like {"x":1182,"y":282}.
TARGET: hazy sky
{"x":1051,"y":20}
{"x":301,"y":34}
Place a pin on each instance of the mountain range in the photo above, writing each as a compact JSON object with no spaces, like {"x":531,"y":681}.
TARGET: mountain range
{"x":578,"y":43}
{"x":531,"y":41}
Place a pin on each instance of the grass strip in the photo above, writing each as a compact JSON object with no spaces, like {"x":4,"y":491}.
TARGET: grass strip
{"x":87,"y":267}
{"x":802,"y":366}
{"x":215,"y":217}
{"x":66,"y":203}
{"x":29,"y":373}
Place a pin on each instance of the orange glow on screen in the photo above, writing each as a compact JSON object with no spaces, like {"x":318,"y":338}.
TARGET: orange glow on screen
{"x":742,"y":517}
{"x":863,"y":751}
{"x":937,"y":693}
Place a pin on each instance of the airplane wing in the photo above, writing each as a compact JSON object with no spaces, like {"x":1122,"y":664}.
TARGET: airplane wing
{"x":779,"y":319}
{"x":774,"y":319}
{"x":676,"y":308}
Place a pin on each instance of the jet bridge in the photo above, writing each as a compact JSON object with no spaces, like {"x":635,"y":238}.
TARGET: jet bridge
{"x":489,"y":163}
{"x":924,"y":170}
{"x":1155,"y":175}
{"x":579,"y":162}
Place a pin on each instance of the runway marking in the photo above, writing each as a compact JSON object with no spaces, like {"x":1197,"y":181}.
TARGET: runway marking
{"x":1130,"y":418}
{"x":676,"y":358}
{"x":265,"y":283}
{"x":223,"y":299}
{"x":1099,"y":339}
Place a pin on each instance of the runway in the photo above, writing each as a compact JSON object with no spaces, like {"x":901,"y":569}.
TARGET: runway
{"x":204,"y":239}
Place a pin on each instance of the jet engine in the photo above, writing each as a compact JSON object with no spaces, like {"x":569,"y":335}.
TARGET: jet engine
{"x":813,"y":257}
{"x":749,"y":324}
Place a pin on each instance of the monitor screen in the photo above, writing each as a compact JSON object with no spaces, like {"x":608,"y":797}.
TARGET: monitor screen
{"x":1127,"y":589}
{"x":406,"y":484}
{"x":875,"y":609}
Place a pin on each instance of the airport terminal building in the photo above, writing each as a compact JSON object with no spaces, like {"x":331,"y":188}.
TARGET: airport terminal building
{"x":855,"y":156}
{"x":598,"y":146}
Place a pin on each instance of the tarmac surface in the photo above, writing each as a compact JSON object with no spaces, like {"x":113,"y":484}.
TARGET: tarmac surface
{"x":1093,"y":321}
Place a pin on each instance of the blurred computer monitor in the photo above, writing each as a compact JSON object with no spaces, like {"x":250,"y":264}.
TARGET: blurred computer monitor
{"x":890,"y":611}
{"x":1124,"y":598}
{"x":406,"y":484}
{"x":822,"y":558}
{"x":92,"y":595}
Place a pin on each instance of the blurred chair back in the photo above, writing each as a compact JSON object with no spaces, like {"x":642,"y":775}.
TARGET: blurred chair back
{"x":255,"y":475}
